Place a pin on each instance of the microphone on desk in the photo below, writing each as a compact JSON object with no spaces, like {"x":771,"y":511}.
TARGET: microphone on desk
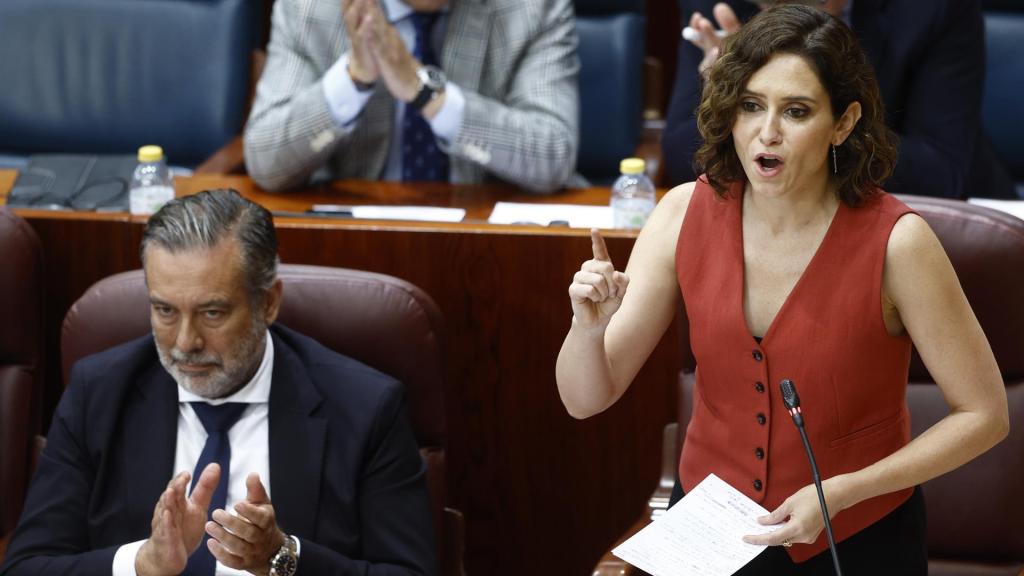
{"x":792,"y":401}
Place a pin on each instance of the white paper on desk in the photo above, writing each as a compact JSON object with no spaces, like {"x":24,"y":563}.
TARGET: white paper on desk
{"x":1014,"y":207}
{"x":700,"y":536}
{"x":420,"y":213}
{"x":577,"y":215}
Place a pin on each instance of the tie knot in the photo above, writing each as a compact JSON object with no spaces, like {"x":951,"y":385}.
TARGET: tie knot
{"x":218,"y":418}
{"x":423,"y":22}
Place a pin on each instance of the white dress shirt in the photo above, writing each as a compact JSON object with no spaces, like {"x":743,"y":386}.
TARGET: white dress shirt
{"x":345,"y":102}
{"x":250,"y":448}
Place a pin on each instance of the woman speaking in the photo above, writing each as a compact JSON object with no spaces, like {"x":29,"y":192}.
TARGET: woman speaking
{"x":794,"y":264}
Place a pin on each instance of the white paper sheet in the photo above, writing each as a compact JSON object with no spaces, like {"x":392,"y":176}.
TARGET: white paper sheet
{"x":702,"y":535}
{"x":578,"y":216}
{"x":419,"y":213}
{"x":1014,"y":207}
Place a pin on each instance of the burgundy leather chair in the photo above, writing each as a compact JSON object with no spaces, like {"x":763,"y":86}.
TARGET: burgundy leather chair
{"x":975,"y":513}
{"x":379,"y":320}
{"x":21,"y":349}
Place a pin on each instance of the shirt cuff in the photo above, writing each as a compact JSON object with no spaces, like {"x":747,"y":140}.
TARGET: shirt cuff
{"x":124,"y":559}
{"x":344,"y":100}
{"x":448,"y":120}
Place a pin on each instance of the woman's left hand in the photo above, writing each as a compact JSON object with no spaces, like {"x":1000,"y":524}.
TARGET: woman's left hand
{"x":799,"y":518}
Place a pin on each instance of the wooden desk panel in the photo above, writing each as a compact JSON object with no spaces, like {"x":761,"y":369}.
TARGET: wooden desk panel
{"x":542,"y":492}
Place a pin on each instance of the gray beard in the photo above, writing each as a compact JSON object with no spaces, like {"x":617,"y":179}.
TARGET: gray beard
{"x":228,"y":374}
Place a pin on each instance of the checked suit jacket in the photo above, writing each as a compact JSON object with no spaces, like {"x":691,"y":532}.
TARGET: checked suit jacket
{"x":515,"y":61}
{"x":346,"y":476}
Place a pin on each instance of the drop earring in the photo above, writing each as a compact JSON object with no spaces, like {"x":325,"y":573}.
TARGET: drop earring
{"x":835,"y":163}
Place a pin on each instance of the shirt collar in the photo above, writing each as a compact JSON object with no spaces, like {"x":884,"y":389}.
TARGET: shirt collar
{"x":256,"y":391}
{"x":397,"y":10}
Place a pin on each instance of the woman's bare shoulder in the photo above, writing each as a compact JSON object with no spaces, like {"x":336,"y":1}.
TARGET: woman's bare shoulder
{"x":668,"y":216}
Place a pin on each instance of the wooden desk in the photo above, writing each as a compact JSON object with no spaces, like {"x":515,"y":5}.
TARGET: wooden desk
{"x":542,"y":493}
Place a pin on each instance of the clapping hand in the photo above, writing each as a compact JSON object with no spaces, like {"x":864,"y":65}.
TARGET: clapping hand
{"x":361,"y":65}
{"x":597,"y":289}
{"x":177,"y":526}
{"x":377,"y":49}
{"x":249,"y":540}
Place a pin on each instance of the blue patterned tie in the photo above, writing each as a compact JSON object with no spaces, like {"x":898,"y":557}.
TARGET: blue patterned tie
{"x":422,"y":160}
{"x":217,"y":420}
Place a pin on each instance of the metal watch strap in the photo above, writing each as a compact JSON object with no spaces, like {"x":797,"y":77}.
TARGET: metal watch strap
{"x":285,"y":561}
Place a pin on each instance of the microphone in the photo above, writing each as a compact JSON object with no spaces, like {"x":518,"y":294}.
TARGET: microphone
{"x":792,"y":401}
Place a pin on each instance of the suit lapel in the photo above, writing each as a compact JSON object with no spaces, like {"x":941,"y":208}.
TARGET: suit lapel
{"x":296,"y":443}
{"x":150,"y":434}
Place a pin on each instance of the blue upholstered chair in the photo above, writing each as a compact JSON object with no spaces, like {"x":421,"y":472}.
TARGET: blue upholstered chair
{"x":611,"y":51}
{"x":1004,"y":84}
{"x":106,"y":76}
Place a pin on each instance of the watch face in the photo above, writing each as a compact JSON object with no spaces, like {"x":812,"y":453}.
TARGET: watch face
{"x":432,"y":77}
{"x":283,"y":564}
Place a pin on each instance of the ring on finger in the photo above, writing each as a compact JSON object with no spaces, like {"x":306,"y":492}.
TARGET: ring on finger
{"x":787,"y":543}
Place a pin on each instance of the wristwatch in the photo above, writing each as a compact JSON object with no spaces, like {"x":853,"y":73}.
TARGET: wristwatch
{"x":286,"y":561}
{"x":432,"y":81}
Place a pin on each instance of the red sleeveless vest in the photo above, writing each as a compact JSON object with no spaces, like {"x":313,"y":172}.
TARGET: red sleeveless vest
{"x":829,"y":338}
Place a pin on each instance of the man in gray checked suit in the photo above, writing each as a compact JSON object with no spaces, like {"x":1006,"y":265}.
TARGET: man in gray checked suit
{"x":417,"y":90}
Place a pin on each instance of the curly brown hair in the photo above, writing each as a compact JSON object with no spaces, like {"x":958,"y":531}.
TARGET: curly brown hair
{"x":867,"y":157}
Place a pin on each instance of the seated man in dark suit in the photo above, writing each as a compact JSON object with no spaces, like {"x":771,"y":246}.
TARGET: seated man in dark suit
{"x":300,"y":458}
{"x":929,"y":58}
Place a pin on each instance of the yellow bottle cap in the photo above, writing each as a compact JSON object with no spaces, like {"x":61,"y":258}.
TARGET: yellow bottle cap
{"x":150,"y":153}
{"x":631,"y":166}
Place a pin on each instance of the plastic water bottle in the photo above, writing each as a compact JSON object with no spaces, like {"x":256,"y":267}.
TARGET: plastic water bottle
{"x":633,"y":196}
{"x":151,"y":185}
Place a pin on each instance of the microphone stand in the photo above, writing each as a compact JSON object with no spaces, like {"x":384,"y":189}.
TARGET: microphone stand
{"x":792,"y":401}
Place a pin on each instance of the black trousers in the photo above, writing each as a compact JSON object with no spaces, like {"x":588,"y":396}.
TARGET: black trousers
{"x":896,"y":544}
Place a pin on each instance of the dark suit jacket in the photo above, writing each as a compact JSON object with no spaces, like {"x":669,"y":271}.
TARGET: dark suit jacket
{"x":345,"y":473}
{"x":929,"y":58}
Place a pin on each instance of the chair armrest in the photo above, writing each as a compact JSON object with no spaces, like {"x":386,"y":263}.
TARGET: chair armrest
{"x":454,"y":543}
{"x":611,"y":565}
{"x":657,"y":504}
{"x":230,"y":159}
{"x":5,"y":539}
{"x":37,"y":453}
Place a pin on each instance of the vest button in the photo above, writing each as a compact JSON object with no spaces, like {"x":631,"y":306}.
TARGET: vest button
{"x":758,"y":356}
{"x":761,"y":419}
{"x":759,"y":453}
{"x":759,"y":386}
{"x":757,"y":485}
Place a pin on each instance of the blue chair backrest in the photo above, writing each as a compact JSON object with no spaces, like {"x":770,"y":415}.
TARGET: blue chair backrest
{"x":1004,"y":86}
{"x":106,"y":76}
{"x":611,"y":51}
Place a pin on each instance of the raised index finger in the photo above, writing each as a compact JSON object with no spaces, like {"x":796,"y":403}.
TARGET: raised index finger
{"x":598,"y":245}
